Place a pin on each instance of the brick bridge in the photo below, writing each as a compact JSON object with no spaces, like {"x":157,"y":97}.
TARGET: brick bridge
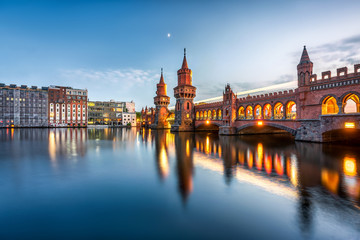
{"x":319,"y":110}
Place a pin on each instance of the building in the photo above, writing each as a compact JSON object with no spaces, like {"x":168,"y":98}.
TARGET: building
{"x":112,"y":113}
{"x":129,"y":107}
{"x":67,"y":107}
{"x":23,"y":106}
{"x":129,"y":119}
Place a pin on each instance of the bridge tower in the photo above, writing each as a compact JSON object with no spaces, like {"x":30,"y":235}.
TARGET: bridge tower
{"x":161,"y":101}
{"x":184,"y":93}
{"x":305,"y":69}
{"x":229,"y":106}
{"x":228,"y":112}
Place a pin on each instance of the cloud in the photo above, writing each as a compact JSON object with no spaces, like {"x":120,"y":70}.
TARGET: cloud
{"x":331,"y":56}
{"x":118,"y":84}
{"x":125,"y":77}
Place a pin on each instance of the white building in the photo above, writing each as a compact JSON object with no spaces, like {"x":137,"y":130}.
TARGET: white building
{"x":129,"y":117}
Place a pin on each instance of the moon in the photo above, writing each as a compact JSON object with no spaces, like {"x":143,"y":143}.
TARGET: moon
{"x":168,"y":35}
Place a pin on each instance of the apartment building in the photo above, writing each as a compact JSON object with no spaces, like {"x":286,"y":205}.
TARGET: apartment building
{"x":21,"y":106}
{"x":67,"y":107}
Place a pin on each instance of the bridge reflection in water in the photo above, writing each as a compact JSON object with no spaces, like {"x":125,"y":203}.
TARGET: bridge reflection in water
{"x":309,"y":173}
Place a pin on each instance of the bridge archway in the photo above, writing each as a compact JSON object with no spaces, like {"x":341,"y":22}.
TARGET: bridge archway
{"x":241,"y":112}
{"x":267,"y":111}
{"x":249,"y":112}
{"x":350,"y":103}
{"x":257,"y":112}
{"x":291,"y":110}
{"x":351,"y":136}
{"x":329,"y":105}
{"x":212,"y":126}
{"x":278,"y":110}
{"x":213,"y":114}
{"x":266,"y":128}
{"x":219,"y":114}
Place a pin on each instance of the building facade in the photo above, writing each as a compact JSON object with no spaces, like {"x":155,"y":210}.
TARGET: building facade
{"x":67,"y":107}
{"x":23,"y":106}
{"x":112,"y":113}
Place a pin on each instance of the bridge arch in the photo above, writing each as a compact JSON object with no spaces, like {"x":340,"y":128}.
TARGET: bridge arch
{"x":241,"y":112}
{"x":278,"y":110}
{"x":329,"y":104}
{"x":350,"y":102}
{"x":267,"y":111}
{"x":290,"y":109}
{"x":211,"y":126}
{"x":267,"y":127}
{"x":258,"y":112}
{"x":219,"y":114}
{"x":249,"y":114}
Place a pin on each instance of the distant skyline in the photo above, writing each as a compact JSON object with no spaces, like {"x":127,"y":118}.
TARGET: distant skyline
{"x":116,"y":49}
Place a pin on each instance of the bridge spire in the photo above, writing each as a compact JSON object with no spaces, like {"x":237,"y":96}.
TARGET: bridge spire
{"x":162,"y":77}
{"x":184,"y":64}
{"x":305,"y":56}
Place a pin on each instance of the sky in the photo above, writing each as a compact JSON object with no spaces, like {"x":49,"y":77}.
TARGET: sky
{"x":116,"y":49}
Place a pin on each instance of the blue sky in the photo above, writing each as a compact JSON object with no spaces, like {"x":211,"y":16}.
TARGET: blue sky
{"x":115,"y":49}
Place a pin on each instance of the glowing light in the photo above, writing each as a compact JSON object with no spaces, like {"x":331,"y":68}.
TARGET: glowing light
{"x":279,"y":165}
{"x":260,"y":123}
{"x":207,"y":121}
{"x":350,"y":166}
{"x":268,"y":164}
{"x":259,"y":156}
{"x":163,"y":163}
{"x":187,"y":148}
{"x":207,"y":145}
{"x":250,"y":158}
{"x":168,"y":35}
{"x":349,"y":125}
{"x":330,"y":179}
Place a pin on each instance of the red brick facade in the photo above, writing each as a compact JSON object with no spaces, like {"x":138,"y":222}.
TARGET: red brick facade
{"x":67,"y":107}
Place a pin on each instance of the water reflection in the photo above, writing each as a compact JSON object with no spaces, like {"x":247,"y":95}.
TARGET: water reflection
{"x":274,"y":163}
{"x":313,"y":176}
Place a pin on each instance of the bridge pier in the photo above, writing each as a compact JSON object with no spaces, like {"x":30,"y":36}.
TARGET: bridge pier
{"x":227,"y":130}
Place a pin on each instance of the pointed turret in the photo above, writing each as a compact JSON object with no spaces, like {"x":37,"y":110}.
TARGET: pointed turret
{"x":184,"y":64}
{"x":305,"y":68}
{"x":161,"y":77}
{"x":304,"y":57}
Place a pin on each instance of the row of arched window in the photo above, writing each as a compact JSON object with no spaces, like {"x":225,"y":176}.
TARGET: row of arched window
{"x":209,"y":114}
{"x":268,"y":111}
{"x":348,"y":104}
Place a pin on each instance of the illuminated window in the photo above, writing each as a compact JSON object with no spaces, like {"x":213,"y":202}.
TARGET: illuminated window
{"x":209,"y":114}
{"x":241,"y":113}
{"x":213,"y":114}
{"x":249,"y":112}
{"x":329,"y":106}
{"x":197,"y":115}
{"x":257,"y":112}
{"x":267,"y":111}
{"x":291,"y":110}
{"x":278,"y":111}
{"x":201,"y":115}
{"x":351,"y":104}
{"x":219,"y":114}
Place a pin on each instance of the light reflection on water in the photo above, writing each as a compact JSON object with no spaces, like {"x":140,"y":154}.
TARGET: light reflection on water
{"x":296,"y":189}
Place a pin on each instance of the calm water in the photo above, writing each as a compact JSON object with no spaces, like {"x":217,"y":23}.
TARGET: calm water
{"x":122,"y":183}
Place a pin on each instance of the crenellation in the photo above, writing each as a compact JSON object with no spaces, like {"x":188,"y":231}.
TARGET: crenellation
{"x":326,"y":75}
{"x":342,"y":71}
{"x":357,"y":68}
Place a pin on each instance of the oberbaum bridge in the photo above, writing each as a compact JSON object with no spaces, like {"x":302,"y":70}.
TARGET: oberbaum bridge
{"x":320,"y":109}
